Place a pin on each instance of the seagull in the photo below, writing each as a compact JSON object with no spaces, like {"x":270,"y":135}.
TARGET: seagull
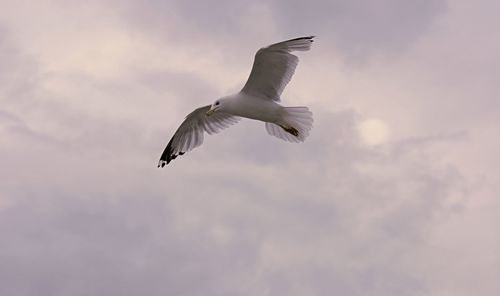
{"x":259,"y":99}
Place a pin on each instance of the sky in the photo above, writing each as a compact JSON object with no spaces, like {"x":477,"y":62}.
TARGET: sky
{"x":395,"y":192}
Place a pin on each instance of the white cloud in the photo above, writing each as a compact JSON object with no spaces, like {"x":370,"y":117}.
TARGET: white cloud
{"x":91,"y":93}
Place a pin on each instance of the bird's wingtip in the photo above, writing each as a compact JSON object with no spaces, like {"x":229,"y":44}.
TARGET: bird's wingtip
{"x":169,"y":157}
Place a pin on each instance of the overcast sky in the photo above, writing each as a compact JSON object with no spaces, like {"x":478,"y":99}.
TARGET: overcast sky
{"x":395,"y":192}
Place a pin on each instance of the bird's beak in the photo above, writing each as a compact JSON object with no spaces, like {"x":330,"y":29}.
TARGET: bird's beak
{"x":211,"y":111}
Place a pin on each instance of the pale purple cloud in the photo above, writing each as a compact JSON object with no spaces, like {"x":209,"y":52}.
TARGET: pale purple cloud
{"x":84,"y":210}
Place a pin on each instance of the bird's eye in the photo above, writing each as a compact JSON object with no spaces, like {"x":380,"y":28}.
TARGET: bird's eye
{"x":216,"y":103}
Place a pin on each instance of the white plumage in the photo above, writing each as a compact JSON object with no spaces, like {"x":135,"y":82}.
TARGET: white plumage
{"x":272,"y":69}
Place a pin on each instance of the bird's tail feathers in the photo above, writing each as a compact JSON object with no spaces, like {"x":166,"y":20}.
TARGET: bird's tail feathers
{"x":295,"y":124}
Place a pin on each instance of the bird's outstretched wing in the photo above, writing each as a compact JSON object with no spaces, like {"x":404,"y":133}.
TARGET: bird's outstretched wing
{"x":189,"y":135}
{"x":273,"y":68}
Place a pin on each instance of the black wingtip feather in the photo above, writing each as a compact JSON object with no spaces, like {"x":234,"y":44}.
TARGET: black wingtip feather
{"x":310,"y":38}
{"x":168,"y":155}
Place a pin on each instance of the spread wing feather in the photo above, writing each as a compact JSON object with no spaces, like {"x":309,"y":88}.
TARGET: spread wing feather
{"x":273,"y":68}
{"x":189,"y":135}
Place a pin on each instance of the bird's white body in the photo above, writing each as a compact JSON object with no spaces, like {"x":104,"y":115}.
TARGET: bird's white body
{"x":273,"y":68}
{"x":249,"y":106}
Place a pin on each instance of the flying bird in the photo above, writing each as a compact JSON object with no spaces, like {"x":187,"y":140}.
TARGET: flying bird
{"x":259,"y":99}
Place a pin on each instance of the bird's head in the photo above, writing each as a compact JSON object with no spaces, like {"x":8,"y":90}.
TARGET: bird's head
{"x":216,"y":106}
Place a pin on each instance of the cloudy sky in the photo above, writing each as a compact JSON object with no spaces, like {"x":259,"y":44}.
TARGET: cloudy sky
{"x":394,"y":193}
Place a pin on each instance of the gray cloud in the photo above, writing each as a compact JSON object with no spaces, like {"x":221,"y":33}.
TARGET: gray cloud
{"x":83,"y":209}
{"x":357,"y":29}
{"x":94,"y":223}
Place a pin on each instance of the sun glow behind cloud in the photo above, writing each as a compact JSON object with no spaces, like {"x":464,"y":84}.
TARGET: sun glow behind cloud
{"x":373,"y":131}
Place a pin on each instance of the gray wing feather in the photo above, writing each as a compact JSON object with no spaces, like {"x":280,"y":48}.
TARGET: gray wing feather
{"x":274,"y":67}
{"x":189,"y":135}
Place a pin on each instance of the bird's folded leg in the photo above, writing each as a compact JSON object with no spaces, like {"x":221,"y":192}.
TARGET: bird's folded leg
{"x":290,"y":130}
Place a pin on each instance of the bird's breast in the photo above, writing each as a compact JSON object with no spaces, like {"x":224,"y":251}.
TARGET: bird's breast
{"x":255,"y":108}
